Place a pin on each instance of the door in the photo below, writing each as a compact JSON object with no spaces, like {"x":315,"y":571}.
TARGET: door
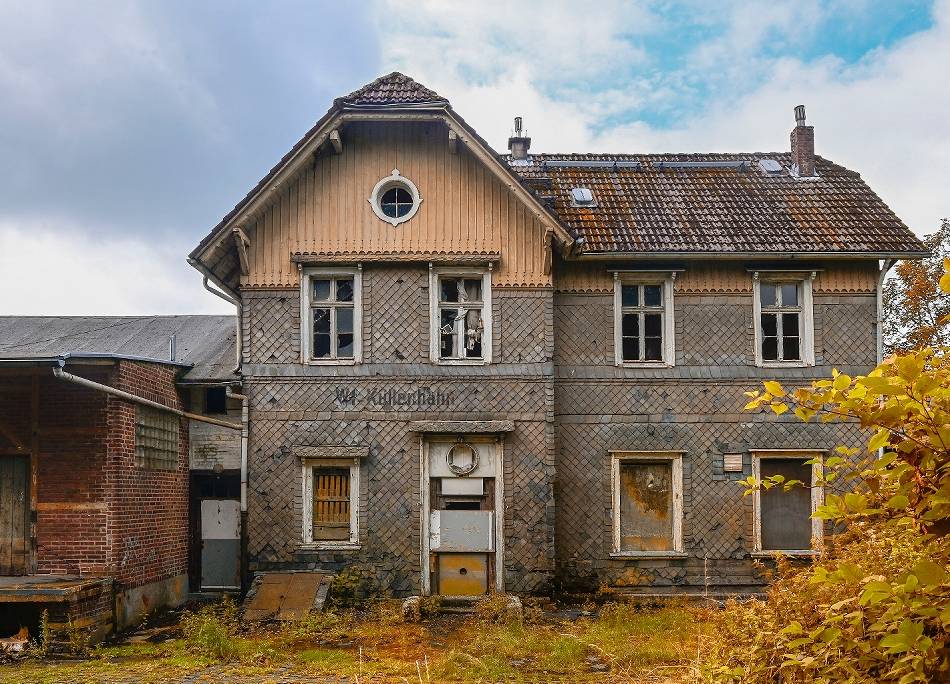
{"x":14,"y":515}
{"x":220,"y":544}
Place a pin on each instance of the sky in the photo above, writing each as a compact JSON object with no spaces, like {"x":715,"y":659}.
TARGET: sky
{"x":128,"y":128}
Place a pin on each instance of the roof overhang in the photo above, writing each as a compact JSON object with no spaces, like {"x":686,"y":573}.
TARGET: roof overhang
{"x":304,"y":151}
{"x":744,"y":256}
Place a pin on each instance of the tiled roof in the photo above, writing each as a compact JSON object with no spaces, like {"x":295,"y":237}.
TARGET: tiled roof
{"x":699,"y":208}
{"x":204,"y":342}
{"x":392,"y":89}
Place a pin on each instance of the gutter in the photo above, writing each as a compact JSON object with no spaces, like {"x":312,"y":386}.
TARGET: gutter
{"x":59,"y":373}
{"x":653,"y":256}
{"x":888,"y":264}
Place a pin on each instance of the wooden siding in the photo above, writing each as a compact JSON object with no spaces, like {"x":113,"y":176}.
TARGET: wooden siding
{"x":465,"y":209}
{"x":712,"y":278}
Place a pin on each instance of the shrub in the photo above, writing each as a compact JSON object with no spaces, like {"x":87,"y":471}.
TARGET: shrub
{"x":211,"y":630}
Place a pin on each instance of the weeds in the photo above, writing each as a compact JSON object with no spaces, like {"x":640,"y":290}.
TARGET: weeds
{"x":210,"y":631}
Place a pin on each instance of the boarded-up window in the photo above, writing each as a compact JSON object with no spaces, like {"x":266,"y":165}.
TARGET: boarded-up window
{"x":646,"y":506}
{"x":785,"y":515}
{"x":331,"y":504}
{"x":156,"y":439}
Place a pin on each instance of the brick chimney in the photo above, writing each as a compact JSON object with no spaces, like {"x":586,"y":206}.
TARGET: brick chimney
{"x":518,"y":143}
{"x":803,"y":146}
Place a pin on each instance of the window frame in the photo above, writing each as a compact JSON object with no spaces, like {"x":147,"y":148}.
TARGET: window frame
{"x":817,"y":499}
{"x":308,"y":465}
{"x":666,"y":280}
{"x":675,"y":458}
{"x":806,"y":332}
{"x":307,"y":276}
{"x":394,"y":180}
{"x":435,"y":337}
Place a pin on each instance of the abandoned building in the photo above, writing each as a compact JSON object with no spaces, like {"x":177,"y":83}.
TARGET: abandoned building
{"x":96,"y":437}
{"x":459,"y":371}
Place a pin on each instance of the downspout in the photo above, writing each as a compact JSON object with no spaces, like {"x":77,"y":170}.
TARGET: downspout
{"x":244,"y":432}
{"x":237,"y":335}
{"x":135,"y":399}
{"x":888,"y":264}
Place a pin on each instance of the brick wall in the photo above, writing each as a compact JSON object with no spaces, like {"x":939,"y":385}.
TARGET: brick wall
{"x":97,"y":514}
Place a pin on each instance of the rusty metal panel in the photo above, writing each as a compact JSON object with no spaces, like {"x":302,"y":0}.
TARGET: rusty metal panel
{"x":463,"y":574}
{"x":462,"y":531}
{"x":646,"y":506}
{"x":786,"y":516}
{"x":285,"y":596}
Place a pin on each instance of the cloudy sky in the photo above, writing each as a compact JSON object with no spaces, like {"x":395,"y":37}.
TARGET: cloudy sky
{"x":127,"y":129}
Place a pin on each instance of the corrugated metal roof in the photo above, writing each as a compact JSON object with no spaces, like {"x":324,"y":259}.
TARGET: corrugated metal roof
{"x":695,"y":203}
{"x":204,"y":342}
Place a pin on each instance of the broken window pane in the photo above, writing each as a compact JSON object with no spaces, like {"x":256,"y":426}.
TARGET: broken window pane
{"x":630,"y":295}
{"x":651,"y":295}
{"x":786,"y":516}
{"x":344,"y":290}
{"x":449,"y":290}
{"x":331,"y":504}
{"x":321,"y":290}
{"x":473,"y":333}
{"x":321,"y":333}
{"x":447,"y":332}
{"x":344,"y":327}
{"x":646,"y":506}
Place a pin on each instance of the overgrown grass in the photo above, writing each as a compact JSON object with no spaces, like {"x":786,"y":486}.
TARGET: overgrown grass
{"x":621,"y":643}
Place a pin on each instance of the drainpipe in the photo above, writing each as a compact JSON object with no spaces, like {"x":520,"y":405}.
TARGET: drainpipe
{"x":237,"y":335}
{"x":888,"y":264}
{"x":135,"y":399}
{"x":244,"y":432}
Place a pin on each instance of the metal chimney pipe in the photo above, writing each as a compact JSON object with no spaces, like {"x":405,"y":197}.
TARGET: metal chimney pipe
{"x":800,"y":115}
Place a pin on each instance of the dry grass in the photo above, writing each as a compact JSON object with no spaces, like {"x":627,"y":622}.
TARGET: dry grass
{"x":621,"y":643}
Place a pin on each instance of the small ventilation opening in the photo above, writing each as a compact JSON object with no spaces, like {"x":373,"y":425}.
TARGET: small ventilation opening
{"x":582,"y":196}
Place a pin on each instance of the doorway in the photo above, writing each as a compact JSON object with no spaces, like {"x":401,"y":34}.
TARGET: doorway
{"x":15,"y":544}
{"x":215,"y":530}
{"x":462,"y":515}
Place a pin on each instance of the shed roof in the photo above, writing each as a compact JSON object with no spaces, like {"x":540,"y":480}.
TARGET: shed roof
{"x":716,"y":203}
{"x":205,"y":343}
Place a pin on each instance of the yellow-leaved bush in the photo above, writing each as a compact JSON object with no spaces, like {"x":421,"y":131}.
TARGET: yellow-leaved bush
{"x":875,"y":605}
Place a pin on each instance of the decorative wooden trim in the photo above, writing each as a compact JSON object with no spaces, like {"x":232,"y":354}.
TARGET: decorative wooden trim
{"x":336,"y":141}
{"x":242,"y":243}
{"x":447,"y":258}
{"x":453,"y":142}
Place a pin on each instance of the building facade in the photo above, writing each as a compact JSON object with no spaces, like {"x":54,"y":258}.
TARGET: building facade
{"x":468,"y":372}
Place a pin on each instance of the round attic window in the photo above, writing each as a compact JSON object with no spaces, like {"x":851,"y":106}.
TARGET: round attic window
{"x":395,"y":199}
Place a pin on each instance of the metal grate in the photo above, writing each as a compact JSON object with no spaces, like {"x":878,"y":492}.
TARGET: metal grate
{"x":156,"y":439}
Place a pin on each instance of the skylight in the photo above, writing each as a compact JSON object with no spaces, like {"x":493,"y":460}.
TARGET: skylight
{"x":770,"y":166}
{"x":582,"y":196}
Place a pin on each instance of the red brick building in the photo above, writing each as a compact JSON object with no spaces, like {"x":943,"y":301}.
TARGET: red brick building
{"x":94,"y":470}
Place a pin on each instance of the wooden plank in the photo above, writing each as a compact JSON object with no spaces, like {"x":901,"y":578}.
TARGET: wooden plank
{"x":20,"y":528}
{"x":34,"y":466}
{"x":6,"y":514}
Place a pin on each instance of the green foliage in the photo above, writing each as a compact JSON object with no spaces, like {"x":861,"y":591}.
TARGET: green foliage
{"x":351,"y":588}
{"x":875,"y":606}
{"x":41,"y":646}
{"x":210,"y":632}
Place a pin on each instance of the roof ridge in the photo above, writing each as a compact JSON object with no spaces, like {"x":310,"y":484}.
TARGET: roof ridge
{"x":393,"y":88}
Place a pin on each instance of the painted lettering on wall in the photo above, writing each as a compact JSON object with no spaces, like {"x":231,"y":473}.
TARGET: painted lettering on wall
{"x":419,"y":398}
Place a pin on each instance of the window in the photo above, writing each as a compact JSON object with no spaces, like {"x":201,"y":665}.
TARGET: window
{"x":783,"y":321}
{"x":395,"y":199}
{"x":331,"y":315}
{"x":643,"y":320}
{"x":461,"y":316}
{"x":216,"y":401}
{"x":156,"y":439}
{"x":783,"y":518}
{"x":647,"y":503}
{"x":331,"y":488}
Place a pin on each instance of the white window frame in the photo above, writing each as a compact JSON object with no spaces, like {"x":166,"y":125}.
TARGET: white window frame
{"x":666,"y":280}
{"x":394,"y":180}
{"x":675,"y":458}
{"x":817,"y":499}
{"x":434,"y":333}
{"x":806,"y":322}
{"x":307,"y":466}
{"x":307,"y":275}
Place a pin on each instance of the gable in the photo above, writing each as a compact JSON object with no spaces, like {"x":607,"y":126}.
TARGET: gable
{"x":466,"y":211}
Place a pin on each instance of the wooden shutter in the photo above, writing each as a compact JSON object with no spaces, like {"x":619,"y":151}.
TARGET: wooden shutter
{"x":331,"y":504}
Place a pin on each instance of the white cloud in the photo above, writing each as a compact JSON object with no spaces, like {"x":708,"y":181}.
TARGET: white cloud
{"x":53,"y":268}
{"x":885,"y":116}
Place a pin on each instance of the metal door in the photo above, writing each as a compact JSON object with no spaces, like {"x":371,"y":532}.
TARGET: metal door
{"x":220,"y":544}
{"x":14,"y":515}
